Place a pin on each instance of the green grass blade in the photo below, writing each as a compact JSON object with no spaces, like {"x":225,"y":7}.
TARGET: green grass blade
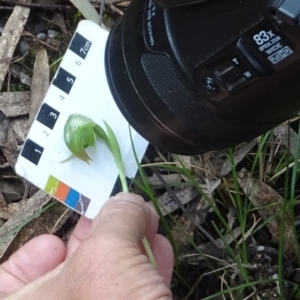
{"x":240,"y":287}
{"x":260,"y":149}
{"x":242,"y":209}
{"x":292,"y":194}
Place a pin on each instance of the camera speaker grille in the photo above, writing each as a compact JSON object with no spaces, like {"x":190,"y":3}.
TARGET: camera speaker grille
{"x":182,"y":102}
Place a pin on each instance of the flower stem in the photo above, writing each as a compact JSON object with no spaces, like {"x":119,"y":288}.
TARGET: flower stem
{"x":111,"y":141}
{"x":123,"y":180}
{"x":149,"y":252}
{"x":144,"y":240}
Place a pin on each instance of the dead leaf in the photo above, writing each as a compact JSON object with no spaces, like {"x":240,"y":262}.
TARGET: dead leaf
{"x":4,"y":124}
{"x":231,"y":216}
{"x":210,"y":249}
{"x":15,"y":104}
{"x":2,"y":201}
{"x":11,"y":192}
{"x":10,"y":37}
{"x":59,"y":20}
{"x":16,"y":136}
{"x":26,"y":209}
{"x":207,"y":164}
{"x":168,"y":205}
{"x":40,"y":82}
{"x":21,"y":128}
{"x":283,"y":132}
{"x":183,"y":233}
{"x":185,"y":195}
{"x":3,"y":43}
{"x":202,"y":211}
{"x":183,"y":159}
{"x":10,"y":150}
{"x":268,"y":202}
{"x":239,"y":153}
{"x":169,"y":179}
{"x":8,"y":211}
{"x":209,"y":187}
{"x":18,"y":73}
{"x":186,"y":161}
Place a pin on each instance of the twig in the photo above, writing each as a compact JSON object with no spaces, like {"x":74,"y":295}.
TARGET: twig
{"x":54,"y":228}
{"x":16,"y":59}
{"x":270,"y":161}
{"x":12,"y":59}
{"x":64,"y":30}
{"x":5,"y":165}
{"x":10,"y":177}
{"x":43,"y":5}
{"x":5,"y":60}
{"x":115,"y":9}
{"x":26,"y":190}
{"x":40,"y":41}
{"x":39,"y":5}
{"x":6,"y":7}
{"x":282,"y":171}
{"x":8,"y":80}
{"x":10,"y":148}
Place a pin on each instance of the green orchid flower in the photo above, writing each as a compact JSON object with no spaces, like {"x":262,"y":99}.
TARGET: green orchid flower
{"x":79,"y":134}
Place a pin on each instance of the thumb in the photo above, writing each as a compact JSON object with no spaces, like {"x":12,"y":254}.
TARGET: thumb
{"x":112,"y":253}
{"x":126,"y":216}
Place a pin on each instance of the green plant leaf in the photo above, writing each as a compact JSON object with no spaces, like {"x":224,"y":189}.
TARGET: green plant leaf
{"x":101,"y":134}
{"x":115,"y":149}
{"x":112,"y":143}
{"x":87,"y":10}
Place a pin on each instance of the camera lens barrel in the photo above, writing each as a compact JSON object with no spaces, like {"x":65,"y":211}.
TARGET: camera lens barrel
{"x":205,"y":76}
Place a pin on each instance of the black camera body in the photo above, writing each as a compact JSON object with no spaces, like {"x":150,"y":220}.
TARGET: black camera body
{"x":205,"y":76}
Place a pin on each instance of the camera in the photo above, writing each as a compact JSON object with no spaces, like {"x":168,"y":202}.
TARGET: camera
{"x":194,"y":76}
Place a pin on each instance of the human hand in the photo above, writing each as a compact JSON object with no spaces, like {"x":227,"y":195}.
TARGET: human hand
{"x":104,"y":259}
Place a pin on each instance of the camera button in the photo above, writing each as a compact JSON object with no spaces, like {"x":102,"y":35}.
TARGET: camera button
{"x":210,"y":86}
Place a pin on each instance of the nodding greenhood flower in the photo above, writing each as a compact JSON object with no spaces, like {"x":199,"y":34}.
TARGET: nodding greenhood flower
{"x":79,"y":134}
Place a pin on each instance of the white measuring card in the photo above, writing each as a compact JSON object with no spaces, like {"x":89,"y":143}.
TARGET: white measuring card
{"x":79,"y":86}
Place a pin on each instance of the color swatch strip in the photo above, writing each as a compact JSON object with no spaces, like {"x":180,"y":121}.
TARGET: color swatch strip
{"x":66,"y":194}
